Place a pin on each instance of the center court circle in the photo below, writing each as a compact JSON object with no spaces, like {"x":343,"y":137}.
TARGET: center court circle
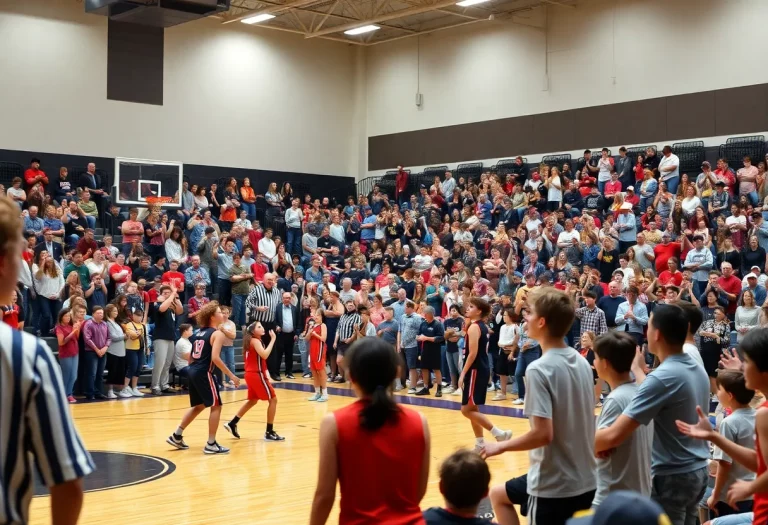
{"x":115,"y":470}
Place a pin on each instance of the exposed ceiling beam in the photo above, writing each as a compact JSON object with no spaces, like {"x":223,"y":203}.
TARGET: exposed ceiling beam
{"x":427,"y":31}
{"x":560,"y":4}
{"x":416,"y":10}
{"x":271,"y":10}
{"x":296,"y":31}
{"x":329,"y":13}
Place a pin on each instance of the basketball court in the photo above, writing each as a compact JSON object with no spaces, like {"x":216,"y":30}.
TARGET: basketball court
{"x":141,"y":479}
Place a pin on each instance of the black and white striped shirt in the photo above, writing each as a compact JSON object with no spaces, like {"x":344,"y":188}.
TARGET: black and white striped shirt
{"x":34,"y":420}
{"x":260,"y":296}
{"x":347,"y":325}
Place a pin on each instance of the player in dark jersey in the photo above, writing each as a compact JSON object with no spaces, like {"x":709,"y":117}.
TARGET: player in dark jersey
{"x":257,"y":378}
{"x":203,"y":391}
{"x":476,"y":372}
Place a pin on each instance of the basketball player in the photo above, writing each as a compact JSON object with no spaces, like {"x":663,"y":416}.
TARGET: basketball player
{"x":259,"y":387}
{"x":318,"y":333}
{"x":203,"y":392}
{"x":476,"y":373}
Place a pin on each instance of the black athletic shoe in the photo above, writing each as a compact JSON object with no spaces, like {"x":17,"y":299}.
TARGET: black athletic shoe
{"x":232,"y":429}
{"x":215,"y":449}
{"x":289,"y":376}
{"x":439,"y":392}
{"x":276,"y":378}
{"x":178,"y":443}
{"x":99,"y":395}
{"x":272,"y":436}
{"x":423,"y":392}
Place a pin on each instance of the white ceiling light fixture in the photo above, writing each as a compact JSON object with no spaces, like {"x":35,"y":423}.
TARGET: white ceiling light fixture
{"x":361,"y":30}
{"x":467,"y":3}
{"x":257,"y":18}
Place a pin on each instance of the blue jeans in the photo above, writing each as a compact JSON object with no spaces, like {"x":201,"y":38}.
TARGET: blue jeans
{"x":645,"y":202}
{"x":304,"y":351}
{"x":753,"y":197}
{"x":250,"y":209}
{"x":238,"y":309}
{"x":523,"y":360}
{"x":69,"y":372}
{"x":91,"y":220}
{"x":228,"y":356}
{"x":293,"y":241}
{"x":453,"y":365}
{"x":672,"y":184}
{"x":601,"y":186}
{"x":134,"y":360}
{"x":47,"y":310}
{"x":94,"y":372}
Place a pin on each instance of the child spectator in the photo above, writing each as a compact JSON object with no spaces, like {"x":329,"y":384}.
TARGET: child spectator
{"x":183,"y":350}
{"x":629,"y":466}
{"x":464,"y":480}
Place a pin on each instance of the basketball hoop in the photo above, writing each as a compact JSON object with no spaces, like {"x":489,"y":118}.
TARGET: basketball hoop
{"x":155,"y":203}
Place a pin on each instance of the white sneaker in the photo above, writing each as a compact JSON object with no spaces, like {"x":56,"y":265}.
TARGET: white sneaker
{"x":412,"y":390}
{"x":456,"y":392}
{"x":519,"y":401}
{"x":126,"y":392}
{"x":314,"y":397}
{"x":448,"y":390}
{"x":499,"y":397}
{"x":505,"y":436}
{"x":398,"y":387}
{"x":111,"y":395}
{"x":491,"y":388}
{"x":136,"y":392}
{"x":323,"y":398}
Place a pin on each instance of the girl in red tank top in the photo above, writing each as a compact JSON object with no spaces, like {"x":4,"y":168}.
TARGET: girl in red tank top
{"x":376,"y":450}
{"x":256,"y":377}
{"x":754,"y":346}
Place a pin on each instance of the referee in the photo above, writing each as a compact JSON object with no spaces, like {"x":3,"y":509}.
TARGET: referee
{"x":34,"y":414}
{"x":261,"y":303}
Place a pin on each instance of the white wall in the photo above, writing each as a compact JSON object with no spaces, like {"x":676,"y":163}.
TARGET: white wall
{"x":234,"y":96}
{"x":493,"y":70}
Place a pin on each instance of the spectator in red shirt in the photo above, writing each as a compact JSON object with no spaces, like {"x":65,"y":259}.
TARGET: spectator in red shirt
{"x":730,"y":285}
{"x":631,"y":197}
{"x":34,"y":174}
{"x":197,"y":302}
{"x":87,"y":245}
{"x":665,"y":250}
{"x":725,"y":174}
{"x":173,"y":276}
{"x":613,"y":186}
{"x":671,"y":275}
{"x":13,"y":314}
{"x":401,"y":183}
{"x":120,"y":273}
{"x":259,"y":269}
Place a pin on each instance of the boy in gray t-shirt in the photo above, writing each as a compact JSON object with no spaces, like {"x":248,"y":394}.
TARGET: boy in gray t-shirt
{"x":629,"y":466}
{"x":669,"y":393}
{"x":739,"y":428}
{"x":560,"y":407}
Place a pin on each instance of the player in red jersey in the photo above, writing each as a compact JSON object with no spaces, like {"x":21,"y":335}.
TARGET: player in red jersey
{"x":257,"y":378}
{"x":317,"y":333}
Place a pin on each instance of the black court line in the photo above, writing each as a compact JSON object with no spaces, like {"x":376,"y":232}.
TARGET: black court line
{"x":425,"y":401}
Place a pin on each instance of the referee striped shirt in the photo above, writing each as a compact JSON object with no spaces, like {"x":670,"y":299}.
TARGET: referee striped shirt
{"x":260,"y":296}
{"x":347,"y":325}
{"x":34,"y":421}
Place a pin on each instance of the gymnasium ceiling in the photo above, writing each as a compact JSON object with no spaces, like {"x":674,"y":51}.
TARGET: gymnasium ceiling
{"x":397,"y":19}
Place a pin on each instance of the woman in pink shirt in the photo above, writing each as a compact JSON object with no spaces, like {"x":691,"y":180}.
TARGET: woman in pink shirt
{"x":747,"y":177}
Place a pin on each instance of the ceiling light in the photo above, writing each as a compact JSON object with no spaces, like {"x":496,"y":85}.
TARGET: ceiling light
{"x":257,"y":18}
{"x":467,"y":3}
{"x":361,"y":30}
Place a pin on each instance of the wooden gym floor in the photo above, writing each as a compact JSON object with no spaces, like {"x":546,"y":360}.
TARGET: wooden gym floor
{"x":257,"y":482}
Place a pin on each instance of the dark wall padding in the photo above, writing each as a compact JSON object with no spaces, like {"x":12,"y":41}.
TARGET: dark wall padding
{"x":318,"y":185}
{"x":135,"y":63}
{"x":737,"y":111}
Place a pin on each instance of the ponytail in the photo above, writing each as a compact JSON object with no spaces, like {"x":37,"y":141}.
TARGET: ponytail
{"x":247,"y":337}
{"x":373,"y":367}
{"x":381,"y":409}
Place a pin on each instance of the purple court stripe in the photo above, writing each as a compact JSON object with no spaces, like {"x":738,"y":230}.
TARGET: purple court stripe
{"x":424,"y":401}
